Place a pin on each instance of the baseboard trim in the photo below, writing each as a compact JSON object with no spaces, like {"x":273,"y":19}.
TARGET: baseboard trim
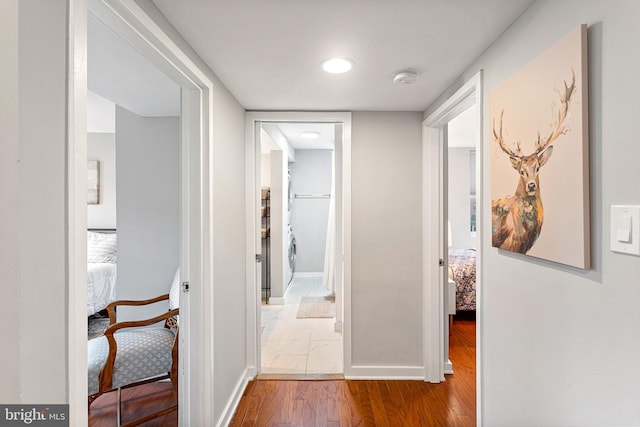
{"x":367,"y":372}
{"x":313,"y":274}
{"x":299,"y":377}
{"x":276,"y":301}
{"x":232,"y":404}
{"x":448,"y":368}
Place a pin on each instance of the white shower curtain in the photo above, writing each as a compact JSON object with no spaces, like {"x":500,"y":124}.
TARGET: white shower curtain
{"x":328,"y":276}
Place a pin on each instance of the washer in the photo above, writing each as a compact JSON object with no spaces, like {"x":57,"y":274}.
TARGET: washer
{"x":289,"y":198}
{"x":292,"y":251}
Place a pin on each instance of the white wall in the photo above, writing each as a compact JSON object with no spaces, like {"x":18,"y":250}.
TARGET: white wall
{"x":229,"y":250}
{"x":102,"y":147}
{"x":556,"y":339}
{"x":33,"y":213}
{"x":311,"y":174}
{"x":148,"y":209}
{"x":279,"y":262}
{"x":101,"y":114}
{"x":265,"y":170}
{"x":229,"y":259}
{"x":386,"y":289}
{"x":459,"y":198}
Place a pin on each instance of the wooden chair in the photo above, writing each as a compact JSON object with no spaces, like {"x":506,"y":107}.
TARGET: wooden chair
{"x":131,"y":354}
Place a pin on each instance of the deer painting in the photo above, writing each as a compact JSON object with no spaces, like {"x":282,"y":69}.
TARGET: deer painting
{"x":517,"y":220}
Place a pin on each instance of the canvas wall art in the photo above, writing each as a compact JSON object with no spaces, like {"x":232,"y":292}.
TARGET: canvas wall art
{"x":538,"y":125}
{"x":93,"y":182}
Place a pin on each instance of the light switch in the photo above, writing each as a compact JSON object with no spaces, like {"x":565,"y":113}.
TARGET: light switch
{"x":625,"y":229}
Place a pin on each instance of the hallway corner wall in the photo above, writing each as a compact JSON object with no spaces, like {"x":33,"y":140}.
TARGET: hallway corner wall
{"x":386,"y":288}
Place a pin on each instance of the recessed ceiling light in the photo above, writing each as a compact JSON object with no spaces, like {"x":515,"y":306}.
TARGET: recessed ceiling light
{"x":310,"y":134}
{"x":337,"y":65}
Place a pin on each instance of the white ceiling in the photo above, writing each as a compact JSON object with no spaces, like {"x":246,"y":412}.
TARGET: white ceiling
{"x":119,"y":73}
{"x":293,"y":132}
{"x":268,"y":53}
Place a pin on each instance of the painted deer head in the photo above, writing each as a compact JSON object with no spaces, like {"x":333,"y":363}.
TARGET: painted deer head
{"x":517,"y":220}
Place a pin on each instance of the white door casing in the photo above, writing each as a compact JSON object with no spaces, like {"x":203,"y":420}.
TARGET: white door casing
{"x":253,"y":122}
{"x":434,"y":211}
{"x":131,"y":22}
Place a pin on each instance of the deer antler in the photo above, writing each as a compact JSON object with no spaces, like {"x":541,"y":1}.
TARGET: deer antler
{"x":499,"y":138}
{"x":559,"y":129}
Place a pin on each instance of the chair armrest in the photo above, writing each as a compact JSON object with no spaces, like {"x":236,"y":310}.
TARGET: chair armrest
{"x":111,"y":308}
{"x":139,"y":323}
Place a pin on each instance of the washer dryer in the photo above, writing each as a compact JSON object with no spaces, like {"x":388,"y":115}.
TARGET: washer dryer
{"x":292,"y":250}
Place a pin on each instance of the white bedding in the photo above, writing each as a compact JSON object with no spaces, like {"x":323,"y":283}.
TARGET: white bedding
{"x":101,"y":286}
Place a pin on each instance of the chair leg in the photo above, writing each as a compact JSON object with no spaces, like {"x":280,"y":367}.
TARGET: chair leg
{"x":145,"y":418}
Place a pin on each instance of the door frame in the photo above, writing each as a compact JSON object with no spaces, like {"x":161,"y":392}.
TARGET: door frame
{"x":434,"y":224}
{"x":130,"y":21}
{"x":343,"y":256}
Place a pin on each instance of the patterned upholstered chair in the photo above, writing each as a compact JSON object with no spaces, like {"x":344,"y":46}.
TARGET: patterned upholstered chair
{"x":130,"y":353}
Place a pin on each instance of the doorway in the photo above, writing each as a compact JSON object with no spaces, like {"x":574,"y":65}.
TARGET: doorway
{"x":298,"y":314}
{"x":435,"y":223}
{"x":462,"y":246}
{"x":285,"y":337}
{"x":130,"y":23}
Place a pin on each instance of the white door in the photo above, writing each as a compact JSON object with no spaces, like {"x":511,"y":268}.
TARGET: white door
{"x":260,"y":257}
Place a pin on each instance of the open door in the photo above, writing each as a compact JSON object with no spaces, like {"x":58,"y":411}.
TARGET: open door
{"x":259,"y":257}
{"x":435,"y":214}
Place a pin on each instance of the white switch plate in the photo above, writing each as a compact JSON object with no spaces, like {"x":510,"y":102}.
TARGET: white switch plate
{"x":625,"y":223}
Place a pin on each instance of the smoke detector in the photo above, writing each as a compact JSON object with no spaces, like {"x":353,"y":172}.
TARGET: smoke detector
{"x":405,"y":77}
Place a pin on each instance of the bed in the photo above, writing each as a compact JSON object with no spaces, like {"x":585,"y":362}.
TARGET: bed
{"x":101,"y":269}
{"x":462,"y":270}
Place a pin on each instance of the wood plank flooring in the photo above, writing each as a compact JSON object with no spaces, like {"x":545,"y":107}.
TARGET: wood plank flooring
{"x":333,"y":402}
{"x":136,"y":403}
{"x":370,"y":403}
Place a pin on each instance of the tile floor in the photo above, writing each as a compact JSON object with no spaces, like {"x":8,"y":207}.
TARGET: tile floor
{"x":299,"y":346}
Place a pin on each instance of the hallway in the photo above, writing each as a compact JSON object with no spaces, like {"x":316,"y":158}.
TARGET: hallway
{"x":339,"y":403}
{"x":371,"y":403}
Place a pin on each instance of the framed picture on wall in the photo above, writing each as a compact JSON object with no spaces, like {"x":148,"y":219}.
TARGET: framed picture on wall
{"x":93,"y":182}
{"x":539,"y":155}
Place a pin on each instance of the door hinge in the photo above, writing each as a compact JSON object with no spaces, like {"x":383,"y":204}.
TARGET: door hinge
{"x":441,"y":262}
{"x":185,"y":286}
{"x":259,"y":257}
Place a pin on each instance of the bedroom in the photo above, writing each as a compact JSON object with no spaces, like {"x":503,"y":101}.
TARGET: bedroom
{"x":133,"y":149}
{"x":461,"y":161}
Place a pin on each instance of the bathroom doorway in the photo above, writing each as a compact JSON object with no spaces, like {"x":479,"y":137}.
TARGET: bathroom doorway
{"x":300,"y":289}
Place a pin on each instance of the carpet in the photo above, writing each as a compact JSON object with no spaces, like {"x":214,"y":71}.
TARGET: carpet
{"x":317,"y":307}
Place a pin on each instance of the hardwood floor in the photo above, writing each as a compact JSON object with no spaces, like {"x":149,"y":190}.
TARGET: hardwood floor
{"x":333,"y":402}
{"x":370,"y":403}
{"x":136,"y":403}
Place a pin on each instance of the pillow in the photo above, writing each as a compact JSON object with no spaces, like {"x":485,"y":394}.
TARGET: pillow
{"x":101,"y":247}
